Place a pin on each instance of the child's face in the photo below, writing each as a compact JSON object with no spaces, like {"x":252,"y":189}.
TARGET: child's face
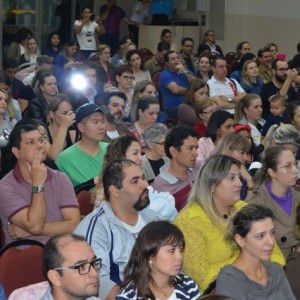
{"x":276,"y":108}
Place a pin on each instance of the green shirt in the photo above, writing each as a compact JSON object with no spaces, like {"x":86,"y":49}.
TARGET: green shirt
{"x":79,"y":166}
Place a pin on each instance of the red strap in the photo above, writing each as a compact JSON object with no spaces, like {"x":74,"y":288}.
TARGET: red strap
{"x":233,"y":88}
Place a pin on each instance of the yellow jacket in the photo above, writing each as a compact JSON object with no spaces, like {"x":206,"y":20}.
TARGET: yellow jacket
{"x":206,"y":250}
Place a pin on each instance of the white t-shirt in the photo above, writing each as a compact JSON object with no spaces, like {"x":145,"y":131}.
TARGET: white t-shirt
{"x":135,"y":230}
{"x":139,"y":18}
{"x":85,"y":38}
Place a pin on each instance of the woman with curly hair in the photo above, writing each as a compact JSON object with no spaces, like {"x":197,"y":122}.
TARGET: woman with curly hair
{"x":153,"y":269}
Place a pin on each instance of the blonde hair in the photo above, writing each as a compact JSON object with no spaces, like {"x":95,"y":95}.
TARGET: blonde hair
{"x":201,"y":104}
{"x":102,"y":47}
{"x":245,"y":77}
{"x":242,"y":104}
{"x":232,"y":141}
{"x":214,"y":170}
{"x":26,"y":52}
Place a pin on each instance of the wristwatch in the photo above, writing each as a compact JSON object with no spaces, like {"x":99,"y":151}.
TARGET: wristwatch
{"x":37,"y":189}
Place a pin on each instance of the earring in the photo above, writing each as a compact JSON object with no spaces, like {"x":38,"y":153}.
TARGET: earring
{"x":273,"y":179}
{"x":150,"y":261}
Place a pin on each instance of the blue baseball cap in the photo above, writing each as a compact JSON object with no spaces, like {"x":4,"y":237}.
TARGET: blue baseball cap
{"x":88,"y":109}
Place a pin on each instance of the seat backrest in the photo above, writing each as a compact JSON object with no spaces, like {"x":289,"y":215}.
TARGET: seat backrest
{"x":21,"y":264}
{"x":84,"y":201}
{"x":30,"y":292}
{"x":229,"y":57}
{"x":144,"y":51}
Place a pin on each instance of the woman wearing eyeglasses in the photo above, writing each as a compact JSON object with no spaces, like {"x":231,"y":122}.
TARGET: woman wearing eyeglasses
{"x":273,"y":185}
{"x":204,"y":109}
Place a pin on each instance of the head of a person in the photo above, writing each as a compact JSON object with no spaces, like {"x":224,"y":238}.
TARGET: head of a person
{"x":32,"y":44}
{"x":273,"y":49}
{"x":10,"y":66}
{"x":44,"y":63}
{"x":116,"y":103}
{"x":157,"y":253}
{"x":187,"y":45}
{"x":285,"y":135}
{"x":181,"y":145}
{"x":147,"y":110}
{"x":209,"y":37}
{"x":90,"y":119}
{"x":58,"y":108}
{"x":125,"y":186}
{"x":244,"y":130}
{"x":53,"y":39}
{"x":197,"y":90}
{"x":249,"y":71}
{"x":241,"y":49}
{"x":104,"y":53}
{"x":234,"y":145}
{"x":265,"y":57}
{"x":128,"y":47}
{"x":219,"y":67}
{"x":204,"y":109}
{"x":85,"y":12}
{"x":204,"y":63}
{"x":277,"y":105}
{"x":3,"y":101}
{"x":252,"y":230}
{"x":204,"y":49}
{"x":155,"y":136}
{"x":47,"y":85}
{"x":166,"y":36}
{"x":71,"y":48}
{"x":121,"y":46}
{"x":71,"y":267}
{"x":89,"y":72}
{"x":143,"y":88}
{"x":162,"y":49}
{"x":5,"y":83}
{"x":217,"y":187}
{"x":280,"y":69}
{"x":124,"y":76}
{"x":244,"y":58}
{"x":250,"y":108}
{"x":171,"y":59}
{"x":124,"y":147}
{"x":292,"y":114}
{"x":23,"y":35}
{"x":279,"y":167}
{"x":134,"y":60}
{"x":112,"y":2}
{"x":220,"y":123}
{"x":28,"y":141}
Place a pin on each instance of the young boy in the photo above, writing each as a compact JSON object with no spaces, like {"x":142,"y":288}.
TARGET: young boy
{"x":277,"y":106}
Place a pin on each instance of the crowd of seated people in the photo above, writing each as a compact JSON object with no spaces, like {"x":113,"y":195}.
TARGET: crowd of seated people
{"x":76,"y":118}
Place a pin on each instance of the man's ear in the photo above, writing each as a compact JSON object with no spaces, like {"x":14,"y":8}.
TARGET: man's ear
{"x":173,"y":151}
{"x":113,"y":190}
{"x":80,"y":127}
{"x":15,"y":152}
{"x":54,"y":277}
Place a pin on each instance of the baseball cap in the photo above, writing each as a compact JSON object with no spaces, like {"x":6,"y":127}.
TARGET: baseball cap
{"x":88,"y":109}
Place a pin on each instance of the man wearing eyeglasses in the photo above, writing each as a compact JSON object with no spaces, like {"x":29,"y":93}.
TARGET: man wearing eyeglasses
{"x":112,"y":228}
{"x":281,"y":84}
{"x":71,"y":268}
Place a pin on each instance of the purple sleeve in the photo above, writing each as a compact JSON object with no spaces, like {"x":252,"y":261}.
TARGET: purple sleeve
{"x":67,"y":194}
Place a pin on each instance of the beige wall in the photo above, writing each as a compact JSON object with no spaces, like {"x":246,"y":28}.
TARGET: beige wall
{"x":260,"y":22}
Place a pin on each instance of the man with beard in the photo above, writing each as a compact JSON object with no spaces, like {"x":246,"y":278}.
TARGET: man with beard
{"x":186,"y":55}
{"x":280,"y":84}
{"x":112,"y":228}
{"x":115,"y":127}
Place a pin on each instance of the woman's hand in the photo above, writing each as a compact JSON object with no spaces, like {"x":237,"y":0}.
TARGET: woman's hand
{"x":69,"y":119}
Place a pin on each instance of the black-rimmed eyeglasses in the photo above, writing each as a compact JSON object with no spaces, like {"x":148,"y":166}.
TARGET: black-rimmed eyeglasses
{"x":84,"y":268}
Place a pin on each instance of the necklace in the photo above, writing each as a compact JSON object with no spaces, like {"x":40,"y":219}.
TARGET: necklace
{"x":258,"y":275}
{"x":163,"y":292}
